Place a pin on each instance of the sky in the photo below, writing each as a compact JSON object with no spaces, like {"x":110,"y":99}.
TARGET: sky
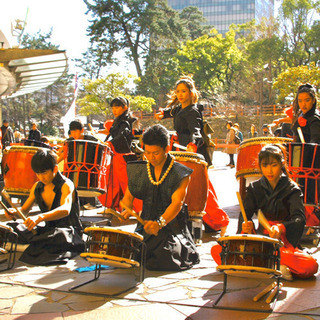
{"x":67,"y":19}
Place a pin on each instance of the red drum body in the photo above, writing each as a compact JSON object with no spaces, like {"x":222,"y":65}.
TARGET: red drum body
{"x":247,"y":161}
{"x":16,"y":169}
{"x":304,"y":168}
{"x":113,"y":247}
{"x":250,"y":253}
{"x":85,"y":163}
{"x":197,"y":193}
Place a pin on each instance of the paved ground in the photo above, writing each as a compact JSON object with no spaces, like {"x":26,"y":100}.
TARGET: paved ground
{"x":29,"y":292}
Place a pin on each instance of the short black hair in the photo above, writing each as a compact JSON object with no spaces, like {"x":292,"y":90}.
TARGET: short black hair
{"x":43,"y":160}
{"x":156,"y":135}
{"x":76,"y":125}
{"x":120,"y":101}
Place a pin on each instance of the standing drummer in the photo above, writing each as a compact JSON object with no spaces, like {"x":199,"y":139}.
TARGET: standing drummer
{"x":60,"y":237}
{"x":161,"y":183}
{"x":280,"y":199}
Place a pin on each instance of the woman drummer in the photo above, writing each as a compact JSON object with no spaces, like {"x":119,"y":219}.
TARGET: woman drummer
{"x":280,"y":199}
{"x":188,"y":123}
{"x":306,"y":115}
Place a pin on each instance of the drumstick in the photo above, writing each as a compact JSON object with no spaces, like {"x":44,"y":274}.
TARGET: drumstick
{"x":20,"y":213}
{"x":274,"y":292}
{"x":114,"y":212}
{"x":133,"y":213}
{"x":242,"y":208}
{"x":263,"y":221}
{"x":6,"y":209}
{"x":96,"y":136}
{"x":176,"y":145}
{"x":300,"y":135}
{"x":265,"y":291}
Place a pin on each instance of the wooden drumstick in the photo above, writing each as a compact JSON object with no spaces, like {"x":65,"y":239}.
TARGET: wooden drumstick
{"x":265,"y":291}
{"x":274,"y":292}
{"x":263,"y":221}
{"x":20,"y":213}
{"x":301,"y":135}
{"x":6,"y":209}
{"x":242,"y":208}
{"x":96,"y":136}
{"x":133,"y":213}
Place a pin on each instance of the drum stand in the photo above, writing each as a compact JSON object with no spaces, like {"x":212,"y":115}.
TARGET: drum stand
{"x":98,"y":268}
{"x":10,"y":249}
{"x":278,"y":288}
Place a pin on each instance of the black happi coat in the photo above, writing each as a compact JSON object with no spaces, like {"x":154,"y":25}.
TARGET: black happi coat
{"x":58,"y":240}
{"x":173,"y":248}
{"x":283,"y":204}
{"x":310,"y":126}
{"x":121,"y":133}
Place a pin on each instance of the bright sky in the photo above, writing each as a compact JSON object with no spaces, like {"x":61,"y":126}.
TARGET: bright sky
{"x":66,"y":17}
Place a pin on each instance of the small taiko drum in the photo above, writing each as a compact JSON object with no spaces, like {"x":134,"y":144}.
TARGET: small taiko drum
{"x":304,"y":168}
{"x":250,"y":254}
{"x":16,"y":169}
{"x":197,"y":193}
{"x":112,"y":247}
{"x":8,"y":246}
{"x":85,"y":163}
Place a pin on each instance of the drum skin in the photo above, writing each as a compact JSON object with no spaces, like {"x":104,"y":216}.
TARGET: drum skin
{"x":197,"y":193}
{"x":247,"y":160}
{"x":16,"y":169}
{"x":250,"y":250}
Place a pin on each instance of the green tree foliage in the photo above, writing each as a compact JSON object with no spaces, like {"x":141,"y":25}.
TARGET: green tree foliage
{"x":130,"y":25}
{"x":99,"y":93}
{"x":296,"y":17}
{"x":288,"y":81}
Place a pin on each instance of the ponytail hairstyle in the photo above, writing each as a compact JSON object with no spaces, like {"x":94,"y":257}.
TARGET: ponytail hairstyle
{"x":189,"y":82}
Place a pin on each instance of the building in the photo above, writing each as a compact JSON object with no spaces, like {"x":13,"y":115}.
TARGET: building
{"x":222,"y":13}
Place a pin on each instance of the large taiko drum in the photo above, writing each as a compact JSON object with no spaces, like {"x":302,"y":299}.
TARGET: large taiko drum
{"x":250,"y":254}
{"x":247,"y":161}
{"x":85,"y":163}
{"x":112,"y":247}
{"x":304,"y":168}
{"x":16,"y":169}
{"x":197,"y":193}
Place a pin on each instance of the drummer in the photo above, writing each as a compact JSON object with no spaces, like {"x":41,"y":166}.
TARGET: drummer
{"x":119,"y":139}
{"x":161,"y":183}
{"x":280,"y":199}
{"x":306,"y":115}
{"x":60,"y":237}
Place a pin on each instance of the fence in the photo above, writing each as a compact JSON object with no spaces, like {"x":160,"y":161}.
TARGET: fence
{"x":271,"y":110}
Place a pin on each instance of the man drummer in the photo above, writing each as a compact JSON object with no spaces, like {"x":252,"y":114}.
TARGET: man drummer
{"x":161,"y":183}
{"x":60,"y":237}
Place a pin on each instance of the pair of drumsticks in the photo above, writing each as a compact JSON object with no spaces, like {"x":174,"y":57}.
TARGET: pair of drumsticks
{"x":6,"y":196}
{"x":265,"y":223}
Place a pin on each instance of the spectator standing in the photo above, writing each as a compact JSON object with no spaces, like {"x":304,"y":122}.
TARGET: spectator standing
{"x":7,"y":134}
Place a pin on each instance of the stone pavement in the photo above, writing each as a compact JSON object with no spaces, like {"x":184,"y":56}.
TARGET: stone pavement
{"x":31,"y":292}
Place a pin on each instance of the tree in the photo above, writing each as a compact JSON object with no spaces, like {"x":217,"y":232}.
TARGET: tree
{"x":99,"y":93}
{"x":288,"y":81}
{"x":130,"y":25}
{"x":296,"y":17}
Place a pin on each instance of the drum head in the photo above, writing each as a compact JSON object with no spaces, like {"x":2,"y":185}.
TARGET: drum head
{"x":109,"y":260}
{"x":137,"y":236}
{"x":250,"y":237}
{"x":249,"y":271}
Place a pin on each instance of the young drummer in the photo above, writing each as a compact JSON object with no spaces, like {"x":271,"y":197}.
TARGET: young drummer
{"x":60,"y":235}
{"x":280,"y":199}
